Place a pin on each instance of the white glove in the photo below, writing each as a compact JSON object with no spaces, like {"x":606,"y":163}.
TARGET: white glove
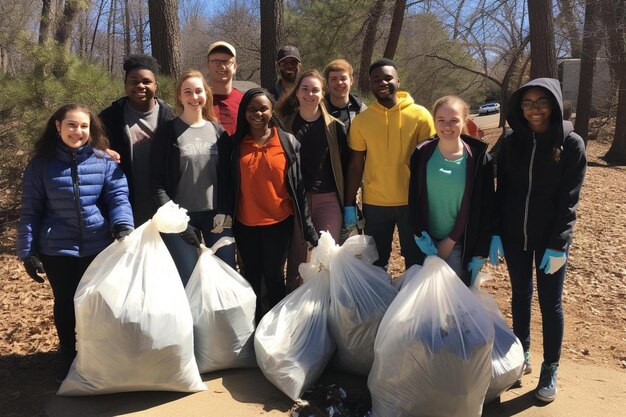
{"x":221,"y":222}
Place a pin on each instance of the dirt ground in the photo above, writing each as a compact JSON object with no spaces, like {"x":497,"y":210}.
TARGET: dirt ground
{"x":594,"y":302}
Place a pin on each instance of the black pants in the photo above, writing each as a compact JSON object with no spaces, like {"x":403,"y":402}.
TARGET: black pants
{"x":64,"y":274}
{"x":264,"y":251}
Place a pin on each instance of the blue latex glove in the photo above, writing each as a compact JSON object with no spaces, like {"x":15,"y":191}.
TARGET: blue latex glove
{"x":474,"y":266}
{"x":552,"y":261}
{"x":425,"y":243}
{"x":349,"y":217}
{"x":495,"y":248}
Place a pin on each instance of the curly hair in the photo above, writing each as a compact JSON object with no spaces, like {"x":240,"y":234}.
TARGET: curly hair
{"x":140,"y":61}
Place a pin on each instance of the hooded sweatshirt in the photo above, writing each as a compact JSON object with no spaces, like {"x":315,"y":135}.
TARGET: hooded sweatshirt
{"x":389,"y":137}
{"x":540,"y":176}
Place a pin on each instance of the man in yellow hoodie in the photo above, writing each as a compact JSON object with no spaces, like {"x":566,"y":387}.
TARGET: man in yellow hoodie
{"x":381,"y":141}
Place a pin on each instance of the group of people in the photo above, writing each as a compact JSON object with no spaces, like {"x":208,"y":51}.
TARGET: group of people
{"x":274,"y":168}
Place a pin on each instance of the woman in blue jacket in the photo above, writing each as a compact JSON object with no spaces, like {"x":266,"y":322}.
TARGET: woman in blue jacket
{"x":74,"y":202}
{"x":541,"y":169}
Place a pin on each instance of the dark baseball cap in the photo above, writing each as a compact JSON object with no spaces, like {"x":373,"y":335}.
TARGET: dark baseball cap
{"x":288,"y":52}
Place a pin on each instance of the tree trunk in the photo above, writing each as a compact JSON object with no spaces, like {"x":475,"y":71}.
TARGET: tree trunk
{"x":111,"y":35}
{"x":396,"y":29}
{"x":95,"y":29}
{"x":127,"y":28}
{"x":64,"y":31}
{"x":587,"y":66}
{"x":48,"y":20}
{"x":614,"y":22}
{"x":270,"y":28}
{"x":165,"y":35}
{"x":569,"y":21}
{"x":542,"y":51}
{"x":369,"y":41}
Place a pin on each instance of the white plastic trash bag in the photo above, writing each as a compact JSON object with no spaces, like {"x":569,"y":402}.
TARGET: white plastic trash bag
{"x":507,"y":357}
{"x":222,"y":306}
{"x":292,"y":342}
{"x":360,"y":294}
{"x":433,"y":349}
{"x":133,"y":322}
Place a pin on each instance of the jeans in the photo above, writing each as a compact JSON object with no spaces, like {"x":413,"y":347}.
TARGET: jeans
{"x":380,"y":222}
{"x":203,"y":221}
{"x":263,"y":251}
{"x":184,"y":255}
{"x":455,"y":260}
{"x":64,"y":274}
{"x":326,"y":215}
{"x":549,"y":289}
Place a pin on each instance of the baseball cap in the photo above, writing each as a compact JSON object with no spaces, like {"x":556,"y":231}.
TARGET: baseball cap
{"x":288,"y":52}
{"x":223,"y":44}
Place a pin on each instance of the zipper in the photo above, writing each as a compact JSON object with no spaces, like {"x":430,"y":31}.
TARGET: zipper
{"x":79,"y":214}
{"x":469,"y":197}
{"x":530,"y":182}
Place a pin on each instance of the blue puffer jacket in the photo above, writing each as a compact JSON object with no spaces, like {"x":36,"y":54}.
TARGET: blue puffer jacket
{"x":71,"y":203}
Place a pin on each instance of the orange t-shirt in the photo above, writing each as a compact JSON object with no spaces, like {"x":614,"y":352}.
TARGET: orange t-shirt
{"x":263,"y":196}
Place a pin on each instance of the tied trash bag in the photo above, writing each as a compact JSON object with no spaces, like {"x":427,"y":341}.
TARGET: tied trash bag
{"x":507,"y":358}
{"x":292,"y":342}
{"x":360,"y":294}
{"x":433,"y":349}
{"x":222,"y":306}
{"x":133,"y":322}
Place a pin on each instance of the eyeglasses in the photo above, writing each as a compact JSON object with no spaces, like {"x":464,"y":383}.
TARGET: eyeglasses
{"x":292,"y":63}
{"x":225,"y":62}
{"x":540,"y":104}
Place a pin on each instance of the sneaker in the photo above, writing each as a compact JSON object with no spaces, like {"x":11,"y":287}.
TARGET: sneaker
{"x":546,"y":390}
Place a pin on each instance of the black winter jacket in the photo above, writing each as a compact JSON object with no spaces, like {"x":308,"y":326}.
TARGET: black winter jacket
{"x":113,"y":119}
{"x":537,"y":193}
{"x":294,"y":180}
{"x":473,"y":227}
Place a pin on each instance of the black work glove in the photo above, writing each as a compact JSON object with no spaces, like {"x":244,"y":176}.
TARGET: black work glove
{"x":191,"y":236}
{"x":34,"y":267}
{"x":120,"y":231}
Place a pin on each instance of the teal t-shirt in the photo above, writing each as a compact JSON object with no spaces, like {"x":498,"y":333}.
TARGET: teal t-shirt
{"x":445,"y":184}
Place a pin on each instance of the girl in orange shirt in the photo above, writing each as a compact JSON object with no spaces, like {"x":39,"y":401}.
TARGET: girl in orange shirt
{"x":268,"y":195}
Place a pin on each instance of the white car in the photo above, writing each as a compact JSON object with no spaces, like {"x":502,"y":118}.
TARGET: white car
{"x":489,"y":108}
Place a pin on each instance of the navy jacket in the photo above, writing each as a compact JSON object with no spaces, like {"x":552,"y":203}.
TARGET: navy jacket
{"x":539,"y":177}
{"x":71,"y":203}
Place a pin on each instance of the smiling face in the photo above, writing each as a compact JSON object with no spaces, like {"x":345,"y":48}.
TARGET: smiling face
{"x":310,"y":93}
{"x":384,"y":83}
{"x":449,"y":121}
{"x":140,"y":85}
{"x":289,"y":69}
{"x":259,"y":112}
{"x":221,"y":67}
{"x":192,"y":94}
{"x":339,"y":83}
{"x":537,"y":109}
{"x":74,"y":129}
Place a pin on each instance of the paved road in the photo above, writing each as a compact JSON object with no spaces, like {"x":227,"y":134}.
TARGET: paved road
{"x":487,"y":122}
{"x":584,"y":391}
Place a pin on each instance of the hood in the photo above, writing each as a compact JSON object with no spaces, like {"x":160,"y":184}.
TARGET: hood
{"x":404,"y":101}
{"x":515,"y":115}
